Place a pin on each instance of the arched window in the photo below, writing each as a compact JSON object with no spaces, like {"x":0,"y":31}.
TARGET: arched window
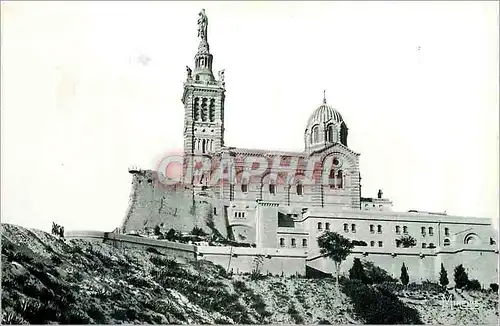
{"x":315,"y":135}
{"x":372,"y":228}
{"x":343,"y":134}
{"x":422,"y":229}
{"x":331,"y":179}
{"x":272,"y":188}
{"x":320,"y":226}
{"x":329,"y":135}
{"x":340,"y":179}
{"x":282,"y":242}
{"x":398,"y":231}
{"x":446,"y":242}
{"x":203,"y":145}
{"x":244,"y":186}
{"x":215,"y":210}
{"x":299,"y":189}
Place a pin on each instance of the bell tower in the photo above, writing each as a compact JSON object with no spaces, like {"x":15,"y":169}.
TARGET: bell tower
{"x":203,"y":100}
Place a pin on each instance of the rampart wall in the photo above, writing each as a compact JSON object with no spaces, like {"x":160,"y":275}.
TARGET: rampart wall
{"x":152,"y":203}
{"x":170,"y":249}
{"x":480,"y":263}
{"x":268,"y":260}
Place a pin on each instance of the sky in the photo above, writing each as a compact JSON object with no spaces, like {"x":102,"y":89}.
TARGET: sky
{"x":91,"y":88}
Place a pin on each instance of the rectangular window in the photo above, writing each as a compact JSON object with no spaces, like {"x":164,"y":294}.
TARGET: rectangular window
{"x":431,"y":231}
{"x":422,"y":230}
{"x":235,"y":214}
{"x":353,"y":228}
{"x":304,"y":243}
{"x":405,"y":229}
{"x":398,"y":231}
{"x":379,"y":228}
{"x":372,"y":228}
{"x":327,"y":226}
{"x":282,"y":242}
{"x":380,"y":243}
{"x":346,"y":228}
{"x":293,"y":243}
{"x":446,"y":232}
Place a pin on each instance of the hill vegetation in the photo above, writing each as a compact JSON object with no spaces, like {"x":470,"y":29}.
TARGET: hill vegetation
{"x":48,"y":279}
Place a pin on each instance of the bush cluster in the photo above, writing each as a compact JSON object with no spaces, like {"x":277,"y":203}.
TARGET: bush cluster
{"x":378,"y":305}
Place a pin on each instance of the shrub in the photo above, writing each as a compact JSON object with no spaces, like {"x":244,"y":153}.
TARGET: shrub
{"x":461,"y":277}
{"x":198,"y":231}
{"x":168,"y":263}
{"x":379,"y":305}
{"x":473,"y":285}
{"x":153,"y":251}
{"x":375,"y":274}
{"x":55,"y":259}
{"x":157,"y":230}
{"x":357,"y":272}
{"x":295,"y":315}
{"x":494,"y":287}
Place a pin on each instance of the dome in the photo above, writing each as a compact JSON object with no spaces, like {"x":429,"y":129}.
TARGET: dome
{"x":325,"y":113}
{"x":324,"y":127}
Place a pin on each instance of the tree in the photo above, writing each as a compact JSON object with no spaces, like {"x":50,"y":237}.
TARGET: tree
{"x":406,"y":241}
{"x":357,"y":272}
{"x":443,"y":277}
{"x":461,"y":277}
{"x":335,"y":247}
{"x":404,"y":275}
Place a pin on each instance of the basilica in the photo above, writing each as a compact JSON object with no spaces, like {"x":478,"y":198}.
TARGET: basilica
{"x":282,"y":216}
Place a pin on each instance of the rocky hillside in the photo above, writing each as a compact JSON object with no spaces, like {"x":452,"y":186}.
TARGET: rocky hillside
{"x":50,"y":280}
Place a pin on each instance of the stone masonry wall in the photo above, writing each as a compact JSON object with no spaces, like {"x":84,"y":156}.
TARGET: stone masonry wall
{"x":152,"y":203}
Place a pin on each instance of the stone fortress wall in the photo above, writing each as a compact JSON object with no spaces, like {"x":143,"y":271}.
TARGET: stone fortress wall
{"x":236,"y":259}
{"x":179,"y":207}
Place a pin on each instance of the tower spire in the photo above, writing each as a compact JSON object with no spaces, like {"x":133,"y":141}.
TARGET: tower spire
{"x":203,"y":59}
{"x":324,"y":96}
